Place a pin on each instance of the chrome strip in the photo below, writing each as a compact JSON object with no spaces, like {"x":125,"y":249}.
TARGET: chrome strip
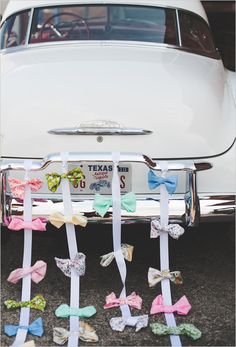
{"x":178,"y":27}
{"x":125,"y":157}
{"x":99,"y":131}
{"x":27,"y":37}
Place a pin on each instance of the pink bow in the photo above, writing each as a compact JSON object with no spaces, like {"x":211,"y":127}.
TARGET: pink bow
{"x":182,"y":306}
{"x":37,"y":271}
{"x":133,"y":300}
{"x":18,"y":187}
{"x":35,"y":224}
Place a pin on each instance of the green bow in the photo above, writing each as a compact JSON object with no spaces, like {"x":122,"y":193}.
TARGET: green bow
{"x":54,"y":179}
{"x":38,"y":303}
{"x":101,"y":203}
{"x":64,"y":311}
{"x":183,"y":329}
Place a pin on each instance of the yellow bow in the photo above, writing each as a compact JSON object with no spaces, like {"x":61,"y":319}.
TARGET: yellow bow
{"x":58,"y":219}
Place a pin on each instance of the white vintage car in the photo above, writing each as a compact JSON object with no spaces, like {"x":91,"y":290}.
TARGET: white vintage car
{"x":142,"y":77}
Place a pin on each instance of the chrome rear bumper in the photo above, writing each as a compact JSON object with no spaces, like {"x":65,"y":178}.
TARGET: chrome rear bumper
{"x":184,"y":209}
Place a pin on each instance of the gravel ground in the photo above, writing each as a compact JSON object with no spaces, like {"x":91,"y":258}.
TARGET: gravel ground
{"x":205,"y":257}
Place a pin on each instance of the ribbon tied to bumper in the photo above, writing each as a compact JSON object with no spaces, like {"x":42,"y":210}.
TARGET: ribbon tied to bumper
{"x":37,"y":303}
{"x":183,"y":329}
{"x":17,"y":224}
{"x":133,"y":300}
{"x":174,"y":230}
{"x":155,"y":181}
{"x":86,"y":333}
{"x":64,"y":311}
{"x":58,"y":219}
{"x":54,"y":179}
{"x":102,"y":204}
{"x":78,"y":263}
{"x":139,"y":322}
{"x":181,"y":307}
{"x":127,"y":251}
{"x":35,"y":328}
{"x":156,"y":276}
{"x":37,"y":271}
{"x":18,"y":186}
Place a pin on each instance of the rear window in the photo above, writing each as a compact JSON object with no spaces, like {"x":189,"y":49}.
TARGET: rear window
{"x":104,"y":22}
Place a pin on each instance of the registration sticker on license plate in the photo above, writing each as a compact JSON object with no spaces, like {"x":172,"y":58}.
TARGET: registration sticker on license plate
{"x":98,"y":178}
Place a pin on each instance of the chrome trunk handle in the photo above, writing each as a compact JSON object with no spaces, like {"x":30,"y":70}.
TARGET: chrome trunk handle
{"x":99,"y":131}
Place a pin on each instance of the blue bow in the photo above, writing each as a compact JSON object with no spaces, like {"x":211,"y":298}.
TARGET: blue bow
{"x":35,"y":328}
{"x":155,"y":181}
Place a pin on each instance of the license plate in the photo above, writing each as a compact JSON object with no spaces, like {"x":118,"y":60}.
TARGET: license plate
{"x":98,"y":178}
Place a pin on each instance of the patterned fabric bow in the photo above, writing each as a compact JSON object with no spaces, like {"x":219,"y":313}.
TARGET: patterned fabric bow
{"x":183,"y":329}
{"x":86,"y":333}
{"x":139,"y":322}
{"x":156,"y":276}
{"x":28,"y":344}
{"x":18,"y":187}
{"x":19,"y":224}
{"x":174,"y":230}
{"x":37,"y":303}
{"x":37,"y":271}
{"x":127,"y":251}
{"x":102,"y":204}
{"x":54,"y":179}
{"x":78,"y":263}
{"x":155,"y":181}
{"x":181,"y":307}
{"x":64,"y":311}
{"x":58,"y":219}
{"x":133,"y":300}
{"x":35,"y":328}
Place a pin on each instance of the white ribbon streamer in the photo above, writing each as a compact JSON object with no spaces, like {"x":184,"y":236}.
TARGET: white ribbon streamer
{"x":73,"y":250}
{"x":27,"y":254}
{"x":164,"y":255}
{"x":116,"y":231}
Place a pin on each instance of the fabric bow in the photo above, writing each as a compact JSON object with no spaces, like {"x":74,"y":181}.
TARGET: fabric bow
{"x":155,"y":181}
{"x":156,"y":276}
{"x":174,"y":230}
{"x":64,"y":311}
{"x":78,"y":263}
{"x":127,"y":251}
{"x":19,"y":224}
{"x":58,"y":219}
{"x":38,"y":303}
{"x":37,"y":271}
{"x":35,"y":328}
{"x":183,"y":329}
{"x":18,"y":187}
{"x":86,"y":333}
{"x":133,"y":300}
{"x":54,"y":179}
{"x":181,"y":307}
{"x":139,"y":322}
{"x":28,"y":344}
{"x":102,"y":204}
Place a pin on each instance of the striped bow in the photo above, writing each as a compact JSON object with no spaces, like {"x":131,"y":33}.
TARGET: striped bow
{"x":127,"y":251}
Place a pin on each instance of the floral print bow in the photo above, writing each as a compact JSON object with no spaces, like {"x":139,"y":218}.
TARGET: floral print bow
{"x":183,"y":329}
{"x":86,"y":333}
{"x":18,"y":186}
{"x":174,"y":230}
{"x":127,"y":251}
{"x":156,"y":276}
{"x":37,"y":303}
{"x":54,"y":179}
{"x":133,"y":300}
{"x":78,"y":263}
{"x":139,"y":322}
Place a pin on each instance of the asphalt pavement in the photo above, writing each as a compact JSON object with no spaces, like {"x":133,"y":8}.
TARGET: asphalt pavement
{"x":205,"y":256}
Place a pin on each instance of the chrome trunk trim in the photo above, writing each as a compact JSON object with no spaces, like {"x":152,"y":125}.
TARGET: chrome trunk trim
{"x":96,"y":131}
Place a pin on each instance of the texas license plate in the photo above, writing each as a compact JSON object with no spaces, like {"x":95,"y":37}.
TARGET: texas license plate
{"x":98,"y":178}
